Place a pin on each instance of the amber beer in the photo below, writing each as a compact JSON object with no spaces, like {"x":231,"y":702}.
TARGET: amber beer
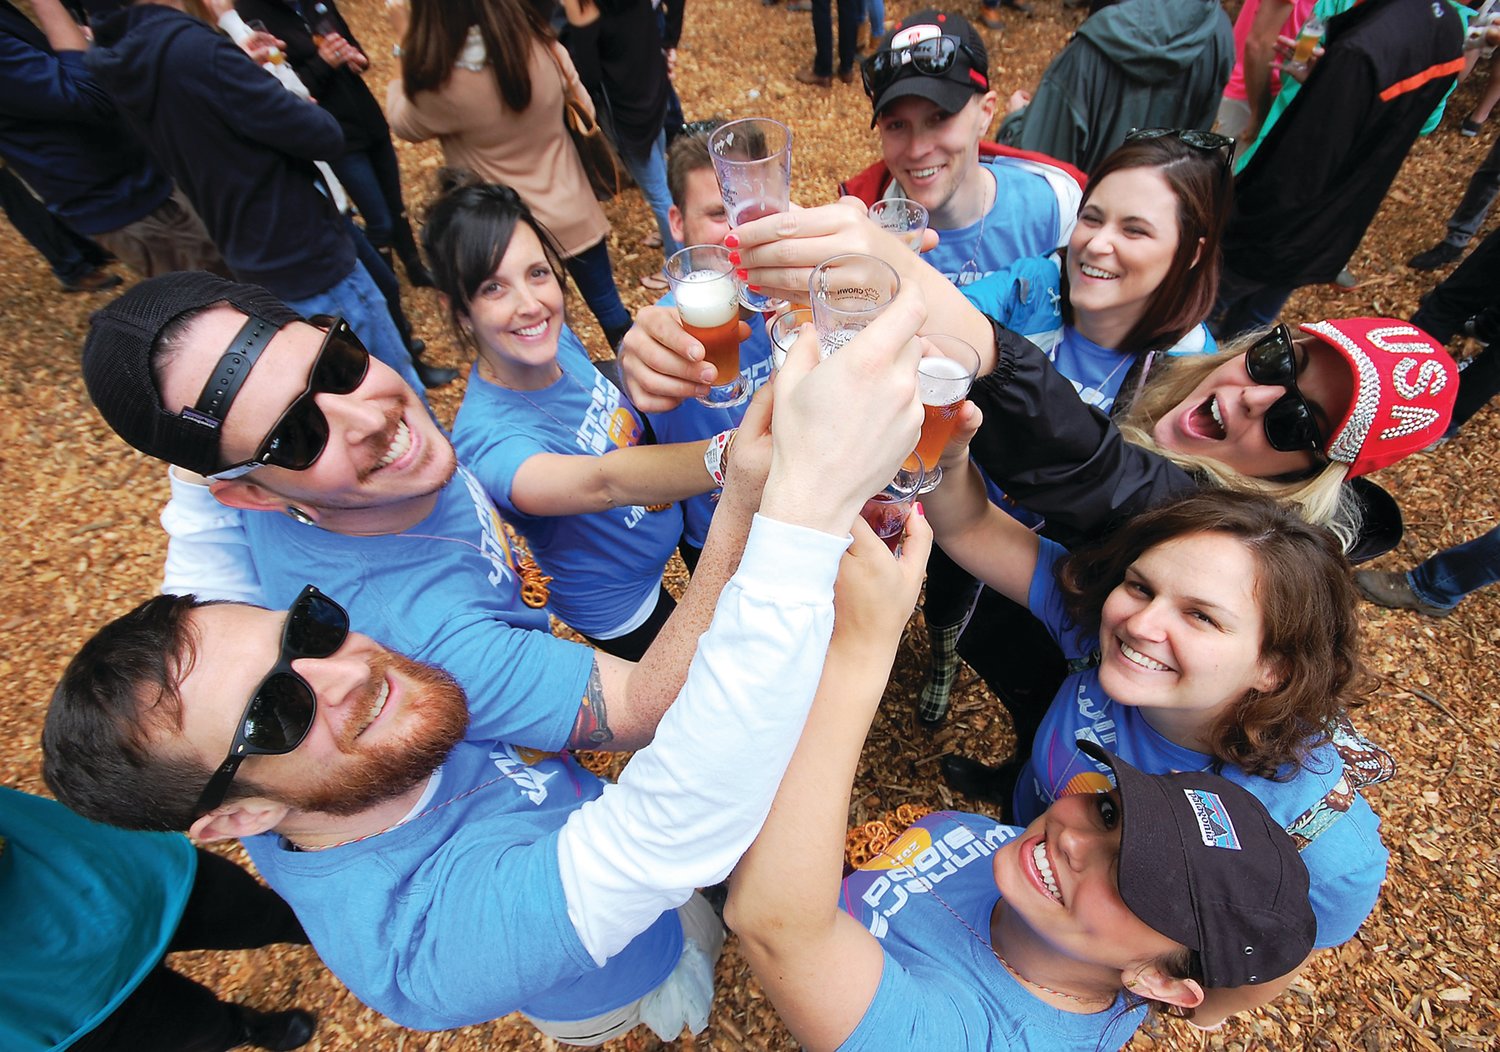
{"x":709,"y":305}
{"x":942,"y":384}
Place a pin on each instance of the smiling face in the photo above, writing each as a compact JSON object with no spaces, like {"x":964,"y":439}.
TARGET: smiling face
{"x":1224,"y":416}
{"x":517,"y":314}
{"x":1180,"y":637}
{"x":385,"y":455}
{"x":934,"y":155}
{"x":1121,"y":249}
{"x":702,"y":219}
{"x":1060,"y":879}
{"x":383,"y":722}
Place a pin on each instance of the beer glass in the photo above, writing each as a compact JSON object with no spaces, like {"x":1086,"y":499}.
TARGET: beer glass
{"x":753,"y":162}
{"x":707,"y":297}
{"x":784,"y":330}
{"x":888,"y":510}
{"x":945,"y":372}
{"x":905,"y":218}
{"x":847,"y":293}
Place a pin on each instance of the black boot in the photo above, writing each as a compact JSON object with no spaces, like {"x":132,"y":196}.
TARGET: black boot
{"x":411,"y":258}
{"x":996,"y":785}
{"x":278,"y":1031}
{"x":430,"y":375}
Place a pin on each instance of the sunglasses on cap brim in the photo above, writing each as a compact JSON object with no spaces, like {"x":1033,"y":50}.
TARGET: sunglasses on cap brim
{"x":300,"y":434}
{"x":932,"y":57}
{"x":1291,"y":424}
{"x":281,"y":708}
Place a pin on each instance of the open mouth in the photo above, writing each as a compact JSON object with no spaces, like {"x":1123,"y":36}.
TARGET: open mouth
{"x":400,"y":446}
{"x":924,"y":173}
{"x":378,"y":705}
{"x":1043,"y":866}
{"x":1208,"y":420}
{"x":1094,"y":272}
{"x":531,"y":332}
{"x":1135,"y":657}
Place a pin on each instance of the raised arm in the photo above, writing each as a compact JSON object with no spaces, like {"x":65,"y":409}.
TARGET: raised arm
{"x":579,"y":484}
{"x":688,"y":805}
{"x":819,"y":966}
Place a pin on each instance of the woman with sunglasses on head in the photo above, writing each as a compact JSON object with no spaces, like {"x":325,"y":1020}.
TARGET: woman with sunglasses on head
{"x":1216,"y":632}
{"x":966,"y":934}
{"x":550,"y":438}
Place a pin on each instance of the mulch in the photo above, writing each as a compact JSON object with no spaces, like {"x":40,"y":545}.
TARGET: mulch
{"x":82,"y":545}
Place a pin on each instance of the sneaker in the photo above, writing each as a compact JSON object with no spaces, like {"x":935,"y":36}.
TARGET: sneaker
{"x":1439,"y":255}
{"x":1347,"y":279}
{"x":807,"y":76}
{"x":847,"y":75}
{"x":992,"y":20}
{"x":1393,"y":590}
{"x":93,"y":281}
{"x":279,"y":1031}
{"x":1470,"y":128}
{"x":800,"y":6}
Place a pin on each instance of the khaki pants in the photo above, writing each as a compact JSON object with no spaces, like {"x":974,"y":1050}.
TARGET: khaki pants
{"x":170,"y":238}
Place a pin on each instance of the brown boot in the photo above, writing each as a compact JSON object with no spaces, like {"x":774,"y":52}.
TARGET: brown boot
{"x":807,"y":76}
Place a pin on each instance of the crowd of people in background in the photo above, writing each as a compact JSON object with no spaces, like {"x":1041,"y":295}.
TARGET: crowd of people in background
{"x":1142,"y":535}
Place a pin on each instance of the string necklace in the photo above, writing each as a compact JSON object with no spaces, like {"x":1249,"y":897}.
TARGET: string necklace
{"x":970,"y":272}
{"x":927,"y":885}
{"x":396,"y":825}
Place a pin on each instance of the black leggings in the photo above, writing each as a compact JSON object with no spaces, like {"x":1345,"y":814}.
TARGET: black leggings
{"x":228,"y":909}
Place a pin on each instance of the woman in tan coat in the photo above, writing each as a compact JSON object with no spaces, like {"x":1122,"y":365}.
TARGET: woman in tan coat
{"x":487,"y":78}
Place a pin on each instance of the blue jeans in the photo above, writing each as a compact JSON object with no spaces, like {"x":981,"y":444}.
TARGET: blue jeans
{"x":875,"y":10}
{"x":650,"y":174}
{"x":1452,"y":574}
{"x":373,"y":179}
{"x":70,"y":255}
{"x":1246,"y":304}
{"x":357,"y":300}
{"x":1483,"y":186}
{"x":596,"y":284}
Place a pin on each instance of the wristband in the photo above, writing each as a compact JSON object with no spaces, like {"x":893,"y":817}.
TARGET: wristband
{"x":716,"y":456}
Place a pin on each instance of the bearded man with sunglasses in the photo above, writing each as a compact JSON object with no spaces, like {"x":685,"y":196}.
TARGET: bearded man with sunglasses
{"x":323,"y":464}
{"x":450,"y":882}
{"x":928,"y":82}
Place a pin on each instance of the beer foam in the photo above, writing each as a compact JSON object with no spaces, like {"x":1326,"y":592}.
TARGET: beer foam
{"x":706,"y":298}
{"x":941,"y":381}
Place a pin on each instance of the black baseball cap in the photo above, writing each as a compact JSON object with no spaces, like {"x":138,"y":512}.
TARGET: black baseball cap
{"x":122,"y":342}
{"x":1202,"y":862}
{"x":969,"y":74}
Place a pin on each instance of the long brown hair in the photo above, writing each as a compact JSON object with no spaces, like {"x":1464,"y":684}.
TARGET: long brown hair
{"x":1308,"y":606}
{"x":435,"y":38}
{"x":1203,"y":189}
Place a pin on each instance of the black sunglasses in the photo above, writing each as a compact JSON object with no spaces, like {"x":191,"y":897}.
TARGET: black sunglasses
{"x":281,"y":709}
{"x":300,"y":434}
{"x":1206,"y":142}
{"x":1290,"y":423}
{"x":932,"y":57}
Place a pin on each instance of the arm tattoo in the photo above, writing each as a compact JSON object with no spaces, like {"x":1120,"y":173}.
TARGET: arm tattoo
{"x":591,"y":728}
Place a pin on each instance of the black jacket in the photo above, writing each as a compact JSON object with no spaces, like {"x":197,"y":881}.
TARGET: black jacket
{"x":1303,"y":202}
{"x":238,"y":144}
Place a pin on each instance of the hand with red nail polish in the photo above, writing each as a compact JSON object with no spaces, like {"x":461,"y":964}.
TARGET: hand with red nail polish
{"x":731,"y":241}
{"x":734,"y":257}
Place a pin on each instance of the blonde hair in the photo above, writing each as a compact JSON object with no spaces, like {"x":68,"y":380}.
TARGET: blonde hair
{"x":1321,"y":499}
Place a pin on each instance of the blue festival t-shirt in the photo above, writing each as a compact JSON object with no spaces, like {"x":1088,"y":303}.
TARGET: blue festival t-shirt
{"x":458,"y":916}
{"x":1345,"y":860}
{"x":1022,"y":221}
{"x":444,"y":591}
{"x":692,"y":421}
{"x":605,"y":566}
{"x":928,"y":898}
{"x":89,"y":912}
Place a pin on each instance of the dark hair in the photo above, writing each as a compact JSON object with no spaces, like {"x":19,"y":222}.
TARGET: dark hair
{"x":1203,"y":188}
{"x":688,"y":154}
{"x":1307,"y":603}
{"x":97,"y":756}
{"x":435,"y":38}
{"x":468,"y":229}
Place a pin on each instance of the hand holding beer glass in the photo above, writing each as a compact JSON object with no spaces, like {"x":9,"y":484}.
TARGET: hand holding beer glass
{"x":847,"y":293}
{"x":785,"y":329}
{"x":887,"y":511}
{"x":905,"y":218}
{"x":753,"y":162}
{"x":707,"y":297}
{"x":945,"y":373}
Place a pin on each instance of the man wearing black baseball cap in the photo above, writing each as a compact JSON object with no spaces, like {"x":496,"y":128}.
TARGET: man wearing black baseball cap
{"x":929,"y":87}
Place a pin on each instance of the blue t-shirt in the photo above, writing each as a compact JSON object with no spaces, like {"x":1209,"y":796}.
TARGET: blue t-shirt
{"x":693,"y":421}
{"x":1023,"y":221}
{"x":458,"y":916}
{"x":929,"y":900}
{"x":1026,"y":297}
{"x":604,"y":566}
{"x":89,"y":912}
{"x":1345,"y":860}
{"x":446,"y":592}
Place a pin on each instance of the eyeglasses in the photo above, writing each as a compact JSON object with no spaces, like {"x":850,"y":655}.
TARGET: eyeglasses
{"x":932,"y":57}
{"x":300,"y":434}
{"x":1290,"y":424}
{"x":280,"y":711}
{"x":1206,"y":142}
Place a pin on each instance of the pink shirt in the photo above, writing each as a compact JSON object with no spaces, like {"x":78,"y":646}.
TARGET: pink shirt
{"x":1235,"y":89}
